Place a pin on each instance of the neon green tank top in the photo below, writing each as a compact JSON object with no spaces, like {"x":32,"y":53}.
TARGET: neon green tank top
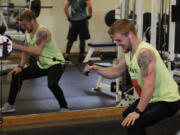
{"x":50,"y":50}
{"x":166,"y":88}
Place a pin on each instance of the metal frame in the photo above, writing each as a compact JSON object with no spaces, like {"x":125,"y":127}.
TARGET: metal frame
{"x":154,"y":23}
{"x":140,"y":18}
{"x":3,"y":20}
{"x":171,"y":37}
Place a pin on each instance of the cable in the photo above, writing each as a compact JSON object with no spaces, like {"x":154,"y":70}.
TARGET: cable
{"x":52,"y":58}
{"x":67,"y":62}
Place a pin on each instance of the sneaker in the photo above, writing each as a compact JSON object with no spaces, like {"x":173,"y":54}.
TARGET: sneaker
{"x":67,"y":57}
{"x":7,"y":108}
{"x":64,"y":110}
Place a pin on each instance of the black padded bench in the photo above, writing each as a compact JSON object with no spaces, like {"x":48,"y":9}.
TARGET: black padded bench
{"x":111,"y":44}
{"x":96,"y":45}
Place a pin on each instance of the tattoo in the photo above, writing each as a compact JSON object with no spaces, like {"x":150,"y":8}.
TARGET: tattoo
{"x":144,"y":59}
{"x":41,"y":36}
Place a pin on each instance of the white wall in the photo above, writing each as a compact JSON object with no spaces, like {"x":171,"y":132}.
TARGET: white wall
{"x":56,"y":21}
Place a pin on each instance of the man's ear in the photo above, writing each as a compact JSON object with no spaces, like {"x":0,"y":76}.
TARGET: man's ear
{"x":130,"y":37}
{"x":32,"y":21}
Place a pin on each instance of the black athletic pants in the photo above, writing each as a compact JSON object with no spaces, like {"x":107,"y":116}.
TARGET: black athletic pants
{"x":76,"y":28}
{"x":154,"y":113}
{"x":81,"y":46}
{"x":53,"y":73}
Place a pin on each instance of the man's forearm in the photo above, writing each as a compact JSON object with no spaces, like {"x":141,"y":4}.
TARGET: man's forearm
{"x":89,"y":7}
{"x":32,"y":50}
{"x":66,"y":12}
{"x":107,"y":72}
{"x":90,"y":11}
{"x":146,"y":95}
{"x":24,"y":59}
{"x":66,"y":9}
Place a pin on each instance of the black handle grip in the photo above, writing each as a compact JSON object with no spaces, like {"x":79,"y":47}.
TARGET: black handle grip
{"x":90,"y":63}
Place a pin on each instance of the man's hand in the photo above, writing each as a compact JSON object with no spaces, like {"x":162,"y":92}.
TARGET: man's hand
{"x":15,"y":71}
{"x":88,"y":17}
{"x":89,"y":68}
{"x":130,"y":119}
{"x":69,"y":19}
{"x":14,"y":45}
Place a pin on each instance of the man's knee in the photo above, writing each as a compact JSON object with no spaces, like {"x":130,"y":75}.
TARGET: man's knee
{"x":52,"y":85}
{"x":16,"y":77}
{"x":136,"y":129}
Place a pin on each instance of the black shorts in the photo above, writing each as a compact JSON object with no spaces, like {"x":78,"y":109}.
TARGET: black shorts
{"x":78,"y":27}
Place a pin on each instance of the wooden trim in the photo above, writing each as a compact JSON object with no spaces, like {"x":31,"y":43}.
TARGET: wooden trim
{"x":13,"y":56}
{"x":77,"y":53}
{"x":53,"y":117}
{"x":18,"y":55}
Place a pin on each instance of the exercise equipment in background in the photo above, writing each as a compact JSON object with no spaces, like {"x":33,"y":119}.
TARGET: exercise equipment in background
{"x":10,"y":11}
{"x":34,"y":5}
{"x":5,"y":46}
{"x":110,"y":17}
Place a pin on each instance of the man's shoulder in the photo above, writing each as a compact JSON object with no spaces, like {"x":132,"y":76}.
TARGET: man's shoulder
{"x":43,"y":28}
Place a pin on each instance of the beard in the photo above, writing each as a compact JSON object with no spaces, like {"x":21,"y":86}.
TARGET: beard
{"x":29,"y":30}
{"x":126,"y":50}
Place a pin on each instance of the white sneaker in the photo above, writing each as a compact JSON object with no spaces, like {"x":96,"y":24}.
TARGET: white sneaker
{"x":64,"y":110}
{"x":7,"y":108}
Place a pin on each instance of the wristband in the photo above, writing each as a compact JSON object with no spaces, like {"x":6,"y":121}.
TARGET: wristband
{"x":138,"y":111}
{"x":20,"y":66}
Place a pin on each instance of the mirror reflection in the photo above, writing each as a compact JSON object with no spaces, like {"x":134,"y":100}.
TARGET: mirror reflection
{"x":41,"y":92}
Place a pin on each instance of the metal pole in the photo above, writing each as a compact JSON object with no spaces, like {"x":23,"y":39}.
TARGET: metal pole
{"x":153,"y":22}
{"x":159,"y":46}
{"x":171,"y":35}
{"x":3,"y":20}
{"x":140,"y":18}
{"x":134,"y":9}
{"x":165,"y":24}
{"x":126,"y":9}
